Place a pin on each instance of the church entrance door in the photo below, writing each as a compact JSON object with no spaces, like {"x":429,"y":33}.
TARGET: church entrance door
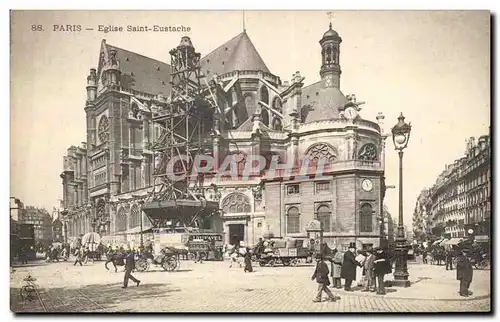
{"x":236,"y":233}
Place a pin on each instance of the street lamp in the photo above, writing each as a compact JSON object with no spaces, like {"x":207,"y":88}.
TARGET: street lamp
{"x":141,"y":203}
{"x":401,"y":136}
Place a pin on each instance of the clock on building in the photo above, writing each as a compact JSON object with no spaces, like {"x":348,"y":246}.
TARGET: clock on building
{"x":350,"y":113}
{"x":367,"y":185}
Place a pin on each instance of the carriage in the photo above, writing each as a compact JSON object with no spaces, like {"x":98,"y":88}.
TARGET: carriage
{"x":168,"y":259}
{"x":287,"y":252}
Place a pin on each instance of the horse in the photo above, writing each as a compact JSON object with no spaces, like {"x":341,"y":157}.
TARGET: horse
{"x":116,"y":258}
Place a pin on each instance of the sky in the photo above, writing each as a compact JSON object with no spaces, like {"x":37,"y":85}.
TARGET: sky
{"x":433,"y":66}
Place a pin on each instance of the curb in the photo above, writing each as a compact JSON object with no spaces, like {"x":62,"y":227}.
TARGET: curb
{"x":371,"y":294}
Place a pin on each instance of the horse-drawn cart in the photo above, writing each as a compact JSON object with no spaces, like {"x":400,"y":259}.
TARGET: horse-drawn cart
{"x":168,"y":259}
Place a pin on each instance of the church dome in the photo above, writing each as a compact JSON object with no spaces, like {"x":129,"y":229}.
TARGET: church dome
{"x":321,"y":104}
{"x":330,"y":33}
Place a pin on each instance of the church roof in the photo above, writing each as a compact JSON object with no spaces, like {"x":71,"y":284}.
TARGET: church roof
{"x":238,"y":53}
{"x":319,"y":103}
{"x":142,"y":73}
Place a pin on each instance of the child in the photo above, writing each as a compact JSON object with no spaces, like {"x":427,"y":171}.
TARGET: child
{"x":464,"y":272}
{"x":321,"y":276}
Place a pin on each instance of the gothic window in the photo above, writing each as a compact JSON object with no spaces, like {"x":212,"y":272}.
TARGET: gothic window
{"x":321,"y":150}
{"x":264,"y":95}
{"x":366,"y":218}
{"x":323,"y":216}
{"x":101,"y":209}
{"x":265,"y":117}
{"x":103,"y":129}
{"x":236,"y":203}
{"x":368,"y":152}
{"x":135,"y":216}
{"x":277,"y":104}
{"x":277,"y":126}
{"x":293,"y":220}
{"x":121,"y":220}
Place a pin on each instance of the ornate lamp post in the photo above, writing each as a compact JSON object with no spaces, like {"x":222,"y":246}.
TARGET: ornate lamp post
{"x":141,"y":203}
{"x":401,"y":136}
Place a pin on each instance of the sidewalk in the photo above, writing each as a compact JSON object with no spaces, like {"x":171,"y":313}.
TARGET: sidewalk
{"x":432,"y":282}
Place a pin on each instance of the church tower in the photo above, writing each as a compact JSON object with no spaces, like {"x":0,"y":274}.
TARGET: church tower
{"x":330,"y":52}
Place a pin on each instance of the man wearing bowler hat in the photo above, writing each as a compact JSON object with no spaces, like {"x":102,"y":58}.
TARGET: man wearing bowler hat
{"x":348,"y":271}
{"x":464,"y":270}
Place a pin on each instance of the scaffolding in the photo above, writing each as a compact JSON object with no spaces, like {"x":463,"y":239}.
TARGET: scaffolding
{"x":187,"y":121}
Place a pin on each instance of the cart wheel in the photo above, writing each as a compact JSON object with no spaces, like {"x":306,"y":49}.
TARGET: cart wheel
{"x":272,"y":263}
{"x":294,"y":262}
{"x":262,"y":263}
{"x":142,"y":265}
{"x":169,"y":264}
{"x":286,"y":262}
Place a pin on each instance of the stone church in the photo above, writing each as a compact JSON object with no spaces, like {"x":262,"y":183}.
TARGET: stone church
{"x":106,"y":177}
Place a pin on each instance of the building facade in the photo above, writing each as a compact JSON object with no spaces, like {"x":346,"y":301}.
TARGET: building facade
{"x":106,"y":179}
{"x":461,"y":197}
{"x":41,"y":221}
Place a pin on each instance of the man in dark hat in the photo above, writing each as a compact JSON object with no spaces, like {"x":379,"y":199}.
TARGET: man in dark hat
{"x":348,"y":271}
{"x":464,"y":271}
{"x":321,"y":276}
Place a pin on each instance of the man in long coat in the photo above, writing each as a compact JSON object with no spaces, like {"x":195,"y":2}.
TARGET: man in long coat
{"x":129,"y":267}
{"x":464,"y":272}
{"x":321,"y":276}
{"x":349,"y":264}
{"x":382,"y":266}
{"x":336,"y":268}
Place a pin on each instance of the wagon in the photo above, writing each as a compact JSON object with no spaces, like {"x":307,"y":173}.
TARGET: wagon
{"x":168,"y":259}
{"x":287,"y":253}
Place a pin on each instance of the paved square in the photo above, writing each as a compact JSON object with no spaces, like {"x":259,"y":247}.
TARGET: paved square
{"x":214,"y":287}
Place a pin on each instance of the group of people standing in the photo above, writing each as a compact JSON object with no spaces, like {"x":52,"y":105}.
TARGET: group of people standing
{"x":375,"y":264}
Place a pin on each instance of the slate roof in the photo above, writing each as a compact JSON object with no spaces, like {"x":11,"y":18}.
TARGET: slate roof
{"x":142,"y":73}
{"x":238,"y":53}
{"x":319,"y":103}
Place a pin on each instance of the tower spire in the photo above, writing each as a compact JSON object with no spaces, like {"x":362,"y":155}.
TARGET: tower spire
{"x":330,"y":16}
{"x":244,"y":29}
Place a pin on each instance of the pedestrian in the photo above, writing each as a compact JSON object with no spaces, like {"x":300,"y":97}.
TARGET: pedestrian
{"x":248,"y":261}
{"x":321,"y":275}
{"x":79,"y":257}
{"x":464,"y":271}
{"x":349,"y":264}
{"x":368,"y":267}
{"x":129,"y":267}
{"x":449,"y":259}
{"x":336,"y":268}
{"x":23,"y":255}
{"x":382,"y":266}
{"x":360,"y":271}
{"x":424,"y":256}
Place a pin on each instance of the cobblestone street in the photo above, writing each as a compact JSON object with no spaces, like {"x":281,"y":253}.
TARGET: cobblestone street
{"x":214,"y":287}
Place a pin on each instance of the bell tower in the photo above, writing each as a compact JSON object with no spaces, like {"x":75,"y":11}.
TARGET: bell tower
{"x":330,"y":52}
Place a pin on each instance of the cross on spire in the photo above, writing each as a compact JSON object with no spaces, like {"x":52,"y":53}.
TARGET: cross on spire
{"x":330,"y":16}
{"x":244,"y":29}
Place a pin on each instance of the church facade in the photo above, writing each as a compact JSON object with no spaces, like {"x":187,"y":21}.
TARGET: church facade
{"x":106,"y":178}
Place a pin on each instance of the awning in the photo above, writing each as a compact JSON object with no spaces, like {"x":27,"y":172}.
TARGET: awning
{"x":453,"y":241}
{"x":135,"y":230}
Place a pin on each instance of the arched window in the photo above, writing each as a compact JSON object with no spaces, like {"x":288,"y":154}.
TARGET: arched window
{"x":293,"y":220}
{"x":135,"y":216}
{"x":264,"y":95}
{"x":121,"y":220}
{"x":277,"y":126}
{"x":236,"y":203}
{"x":265,"y":117}
{"x":323,"y":216}
{"x":101,"y":209}
{"x":103,"y":129}
{"x":366,"y":218}
{"x":277,"y":104}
